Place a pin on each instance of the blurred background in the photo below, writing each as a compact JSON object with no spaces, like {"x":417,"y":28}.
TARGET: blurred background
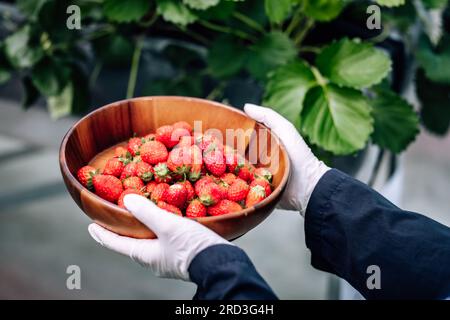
{"x":61,"y":59}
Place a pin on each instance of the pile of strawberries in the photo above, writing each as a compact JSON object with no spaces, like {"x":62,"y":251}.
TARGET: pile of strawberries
{"x":184,"y":173}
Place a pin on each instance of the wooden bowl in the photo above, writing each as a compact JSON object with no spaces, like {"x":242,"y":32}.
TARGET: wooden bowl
{"x":93,"y":138}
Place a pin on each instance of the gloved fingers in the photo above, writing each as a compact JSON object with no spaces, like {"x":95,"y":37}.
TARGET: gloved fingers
{"x":160,"y":221}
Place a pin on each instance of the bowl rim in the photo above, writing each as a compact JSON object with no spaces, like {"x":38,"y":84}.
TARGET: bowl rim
{"x":74,"y":181}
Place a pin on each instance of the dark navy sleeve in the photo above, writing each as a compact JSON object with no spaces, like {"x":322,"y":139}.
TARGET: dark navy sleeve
{"x":350,"y":227}
{"x":225,"y":272}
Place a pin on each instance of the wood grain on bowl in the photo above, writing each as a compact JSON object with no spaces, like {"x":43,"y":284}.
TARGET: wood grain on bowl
{"x":93,"y":138}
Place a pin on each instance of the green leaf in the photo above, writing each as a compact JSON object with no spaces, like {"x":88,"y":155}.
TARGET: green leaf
{"x":353,"y":64}
{"x":435,"y":61}
{"x":287,"y":87}
{"x":226,"y":57}
{"x":20,"y":50}
{"x":175,"y":12}
{"x":61,"y":105}
{"x":201,"y":4}
{"x":125,"y":11}
{"x":435,"y":101}
{"x":391,"y":3}
{"x":396,"y":124}
{"x":114,"y":49}
{"x":50,"y":76}
{"x":223,"y":11}
{"x":30,"y":8}
{"x":30,"y":94}
{"x":324,"y":10}
{"x":277,"y":10}
{"x":435,"y":4}
{"x":271,"y":51}
{"x":337,"y":119}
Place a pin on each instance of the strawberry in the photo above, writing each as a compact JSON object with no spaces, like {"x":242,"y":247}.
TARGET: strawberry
{"x":150,"y":187}
{"x":113,"y":167}
{"x":234,"y":162}
{"x":238,"y":190}
{"x":197,"y":163}
{"x":215,"y":162}
{"x":120,"y":152}
{"x":246,"y":172}
{"x":164,"y":135}
{"x":85,"y":175}
{"x":144,"y":171}
{"x":124,"y":193}
{"x":134,"y":145}
{"x":223,"y":207}
{"x":200,"y":184}
{"x":162,"y":173}
{"x":158,"y":192}
{"x":133,"y":183}
{"x":210,"y":194}
{"x":107,"y":187}
{"x":228,"y":178}
{"x":175,"y":195}
{"x":255,"y":195}
{"x":189,"y":188}
{"x":179,"y":160}
{"x":208,"y":142}
{"x":185,"y":141}
{"x":183,"y":125}
{"x":130,"y":170}
{"x":170,"y":208}
{"x":263,"y":173}
{"x":150,"y":137}
{"x":195,"y":209}
{"x":154,"y":152}
{"x":263,"y":183}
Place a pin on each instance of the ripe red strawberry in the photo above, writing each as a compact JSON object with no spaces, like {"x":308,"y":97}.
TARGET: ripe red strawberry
{"x":254,"y":196}
{"x":197,"y":163}
{"x":234,"y":162}
{"x":195,"y":209}
{"x":189,"y":188}
{"x":263,"y":173}
{"x":210,"y":194}
{"x":164,"y":135}
{"x":179,"y":160}
{"x":215,"y":162}
{"x":150,"y":187}
{"x":228,"y":178}
{"x":223,"y":207}
{"x":154,"y":152}
{"x":185,"y":141}
{"x":130,"y":170}
{"x":124,"y":193}
{"x":158,"y":192}
{"x":263,"y":183}
{"x":120,"y":152}
{"x":162,"y":173}
{"x":246,"y":172}
{"x":183,"y":125}
{"x":238,"y":190}
{"x":176,"y":195}
{"x":200,"y":184}
{"x":144,"y":171}
{"x":150,"y":137}
{"x":170,"y":208}
{"x":133,"y":183}
{"x":208,"y":142}
{"x":134,"y":145}
{"x":107,"y":187}
{"x":113,"y":167}
{"x":85,"y":175}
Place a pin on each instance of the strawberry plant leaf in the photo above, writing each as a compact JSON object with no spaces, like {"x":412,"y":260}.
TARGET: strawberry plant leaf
{"x":391,"y":3}
{"x":223,"y":11}
{"x":20,"y":50}
{"x":226,"y":57}
{"x":396,"y":124}
{"x":324,"y":10}
{"x":271,"y":51}
{"x":337,"y":119}
{"x":201,"y":4}
{"x":277,"y":10}
{"x":435,"y":61}
{"x":125,"y":11}
{"x":50,"y":76}
{"x":175,"y":12}
{"x":61,"y":105}
{"x":353,"y":64}
{"x":287,"y":87}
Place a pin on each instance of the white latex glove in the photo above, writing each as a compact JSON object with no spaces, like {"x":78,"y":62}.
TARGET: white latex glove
{"x":169,"y":256}
{"x":306,"y":169}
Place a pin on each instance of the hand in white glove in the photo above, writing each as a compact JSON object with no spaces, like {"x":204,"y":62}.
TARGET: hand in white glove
{"x":306,"y":169}
{"x":169,"y":256}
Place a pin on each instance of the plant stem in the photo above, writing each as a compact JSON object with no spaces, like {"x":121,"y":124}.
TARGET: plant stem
{"x":320,"y":79}
{"x":194,"y":35}
{"x":95,"y":73}
{"x":224,"y":29}
{"x":249,"y":22}
{"x":218,"y":90}
{"x":310,"y":49}
{"x":295,"y":21}
{"x":134,"y":67}
{"x":304,"y":31}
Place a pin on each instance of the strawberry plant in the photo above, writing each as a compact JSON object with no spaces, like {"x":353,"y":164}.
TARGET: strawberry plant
{"x":339,"y":91}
